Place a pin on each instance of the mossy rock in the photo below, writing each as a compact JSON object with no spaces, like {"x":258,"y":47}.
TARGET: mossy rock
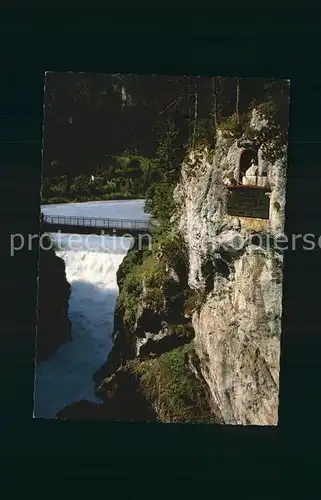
{"x":172,"y":389}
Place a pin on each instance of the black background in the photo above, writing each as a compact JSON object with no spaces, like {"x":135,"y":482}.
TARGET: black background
{"x":89,"y":459}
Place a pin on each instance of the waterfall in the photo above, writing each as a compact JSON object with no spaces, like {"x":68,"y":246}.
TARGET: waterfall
{"x":91,"y":268}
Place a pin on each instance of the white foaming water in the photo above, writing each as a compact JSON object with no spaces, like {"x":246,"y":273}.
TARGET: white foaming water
{"x":91,"y":265}
{"x":68,"y":376}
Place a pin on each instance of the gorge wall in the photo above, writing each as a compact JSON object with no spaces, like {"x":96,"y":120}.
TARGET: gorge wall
{"x":53,"y":326}
{"x":238,"y":325}
{"x":198,"y":318}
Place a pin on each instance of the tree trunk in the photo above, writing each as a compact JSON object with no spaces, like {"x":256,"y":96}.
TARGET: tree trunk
{"x":238,"y":100}
{"x":214,"y":93}
{"x":195,"y":112}
{"x":190,"y":110}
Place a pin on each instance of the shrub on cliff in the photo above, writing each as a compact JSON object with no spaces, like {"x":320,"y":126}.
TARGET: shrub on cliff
{"x":145,"y":279}
{"x":159,"y":200}
{"x":133,"y":258}
{"x":204,"y":135}
{"x":130,"y":296}
{"x":173,"y":251}
{"x":171,"y":388}
{"x":232,"y":127}
{"x":141,"y":283}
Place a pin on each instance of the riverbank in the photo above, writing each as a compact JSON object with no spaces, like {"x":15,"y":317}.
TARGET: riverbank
{"x":56,"y":200}
{"x":123,"y":177}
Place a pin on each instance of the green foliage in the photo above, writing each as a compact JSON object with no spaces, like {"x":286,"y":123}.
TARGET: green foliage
{"x":194,"y":300}
{"x":167,"y":145}
{"x":148,"y":268}
{"x":273,"y":136}
{"x":133,"y":258}
{"x":154,"y":300}
{"x":174,"y":253}
{"x":170,"y":387}
{"x":186,"y":330}
{"x":173,"y":247}
{"x":136,"y":270}
{"x":233,"y":127}
{"x":132,"y":132}
{"x":130,"y":295}
{"x":123,"y":177}
{"x":154,"y":271}
{"x":204,"y":134}
{"x":91,"y":117}
{"x":159,"y":201}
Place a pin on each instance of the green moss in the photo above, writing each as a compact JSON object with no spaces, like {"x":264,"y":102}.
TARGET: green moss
{"x":171,"y":389}
{"x":154,"y":272}
{"x":138,"y":269}
{"x":154,"y":300}
{"x":148,"y":269}
{"x":130,"y":295}
{"x":174,"y":252}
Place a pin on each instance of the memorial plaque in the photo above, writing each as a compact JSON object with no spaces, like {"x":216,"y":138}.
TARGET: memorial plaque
{"x":248,"y":202}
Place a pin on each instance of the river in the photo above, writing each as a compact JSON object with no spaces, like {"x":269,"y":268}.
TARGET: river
{"x":91,"y":266}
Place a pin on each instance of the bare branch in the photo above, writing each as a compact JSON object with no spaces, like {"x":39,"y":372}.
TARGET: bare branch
{"x":171,"y":104}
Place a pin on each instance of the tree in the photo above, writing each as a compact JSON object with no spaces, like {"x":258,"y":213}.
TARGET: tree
{"x":195,"y":111}
{"x":214,"y":96}
{"x":237,"y":100}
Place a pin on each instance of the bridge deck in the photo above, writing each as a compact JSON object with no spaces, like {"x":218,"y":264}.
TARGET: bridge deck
{"x":83,"y":224}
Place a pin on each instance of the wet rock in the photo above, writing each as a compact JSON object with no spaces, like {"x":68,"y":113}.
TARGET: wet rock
{"x":53,"y":325}
{"x":83,"y":410}
{"x":168,"y":338}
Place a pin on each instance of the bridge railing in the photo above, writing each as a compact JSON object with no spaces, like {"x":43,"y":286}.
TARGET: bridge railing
{"x":99,"y":222}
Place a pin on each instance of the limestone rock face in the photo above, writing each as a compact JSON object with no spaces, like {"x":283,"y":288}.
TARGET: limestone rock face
{"x":238,"y":340}
{"x":233,"y":285}
{"x":238,"y":327}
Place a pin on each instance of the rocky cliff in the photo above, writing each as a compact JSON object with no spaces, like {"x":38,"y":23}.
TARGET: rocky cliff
{"x":208,"y":297}
{"x":150,"y":367}
{"x":53,"y":326}
{"x":238,"y":324}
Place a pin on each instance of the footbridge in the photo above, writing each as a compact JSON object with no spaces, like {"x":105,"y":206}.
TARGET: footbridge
{"x":95,"y":225}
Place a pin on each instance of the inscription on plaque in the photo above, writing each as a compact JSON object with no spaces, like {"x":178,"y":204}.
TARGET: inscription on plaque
{"x":248,"y":202}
